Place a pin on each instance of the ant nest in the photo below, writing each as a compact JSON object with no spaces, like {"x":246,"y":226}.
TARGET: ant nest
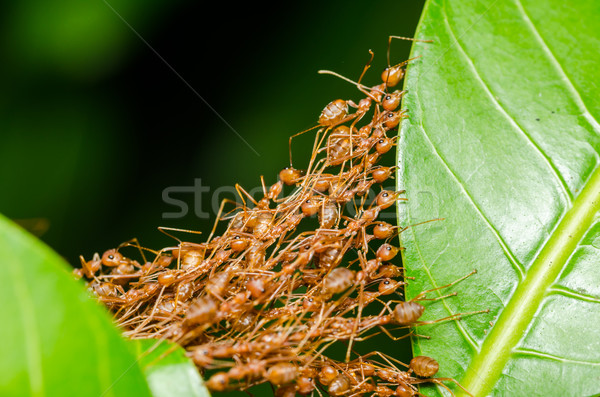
{"x":264,"y":301}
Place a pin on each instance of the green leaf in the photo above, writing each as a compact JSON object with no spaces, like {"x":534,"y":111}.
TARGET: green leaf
{"x":170,"y":373}
{"x":56,"y":340}
{"x":503,"y":142}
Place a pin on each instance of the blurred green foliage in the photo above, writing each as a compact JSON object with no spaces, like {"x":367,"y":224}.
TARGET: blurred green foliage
{"x":93,"y":124}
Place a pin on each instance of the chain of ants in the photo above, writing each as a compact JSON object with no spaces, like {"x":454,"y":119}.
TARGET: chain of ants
{"x":264,"y":301}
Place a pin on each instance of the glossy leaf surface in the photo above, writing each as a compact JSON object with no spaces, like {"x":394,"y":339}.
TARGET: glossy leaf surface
{"x":56,"y":341}
{"x":170,"y":373}
{"x":503,"y":141}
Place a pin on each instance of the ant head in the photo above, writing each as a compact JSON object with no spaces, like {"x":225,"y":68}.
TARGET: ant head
{"x":381,"y":174}
{"x":310,"y":207}
{"x":392,"y":101}
{"x":383,"y":230}
{"x":112,"y":258}
{"x":218,"y":382}
{"x":386,"y":198}
{"x":238,"y":244}
{"x":290,"y":175}
{"x":387,"y":252}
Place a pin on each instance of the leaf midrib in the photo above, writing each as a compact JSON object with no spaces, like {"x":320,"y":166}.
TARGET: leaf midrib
{"x":486,"y":367}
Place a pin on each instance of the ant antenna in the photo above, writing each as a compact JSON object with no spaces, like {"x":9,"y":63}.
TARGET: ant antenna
{"x":360,"y":86}
{"x":367,"y":66}
{"x":402,"y":38}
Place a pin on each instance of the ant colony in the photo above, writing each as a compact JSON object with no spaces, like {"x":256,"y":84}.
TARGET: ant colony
{"x":264,"y":301}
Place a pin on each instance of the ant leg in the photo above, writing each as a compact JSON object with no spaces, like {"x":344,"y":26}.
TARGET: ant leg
{"x":357,"y":319}
{"x":438,"y":381}
{"x":457,"y":316}
{"x":367,"y":66}
{"x":402,"y":38}
{"x":361,"y":87}
{"x":401,"y":229}
{"x":264,"y":187}
{"x":223,"y":202}
{"x":163,"y":229}
{"x":151,"y":315}
{"x":439,"y":297}
{"x":298,"y":134}
{"x":134,"y":242}
{"x":241,"y":190}
{"x":418,"y":297}
{"x":389,"y":335}
{"x":316,"y":145}
{"x":387,"y":359}
{"x":88,"y":269}
{"x":410,"y":39}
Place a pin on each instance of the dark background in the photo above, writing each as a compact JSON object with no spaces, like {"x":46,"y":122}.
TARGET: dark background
{"x":94,"y":125}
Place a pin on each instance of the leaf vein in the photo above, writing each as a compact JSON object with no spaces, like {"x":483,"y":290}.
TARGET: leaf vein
{"x":560,"y":290}
{"x":569,"y":84}
{"x":538,"y":354}
{"x":512,"y":121}
{"x":516,"y":265}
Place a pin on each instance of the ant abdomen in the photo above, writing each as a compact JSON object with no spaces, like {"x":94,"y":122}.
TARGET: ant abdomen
{"x":244,"y":321}
{"x":328,"y":214}
{"x":391,"y":76}
{"x":327,"y":374}
{"x":424,"y":366}
{"x":167,"y":305}
{"x":339,"y":149}
{"x":334,"y":112}
{"x":339,"y":385}
{"x":185,"y":291}
{"x":286,"y":391}
{"x":323,"y":183}
{"x":106,"y":289}
{"x":404,"y":391}
{"x":407,"y":313}
{"x":338,"y":280}
{"x":191,"y":258}
{"x":167,"y":278}
{"x":282,"y":373}
{"x":203,"y":310}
